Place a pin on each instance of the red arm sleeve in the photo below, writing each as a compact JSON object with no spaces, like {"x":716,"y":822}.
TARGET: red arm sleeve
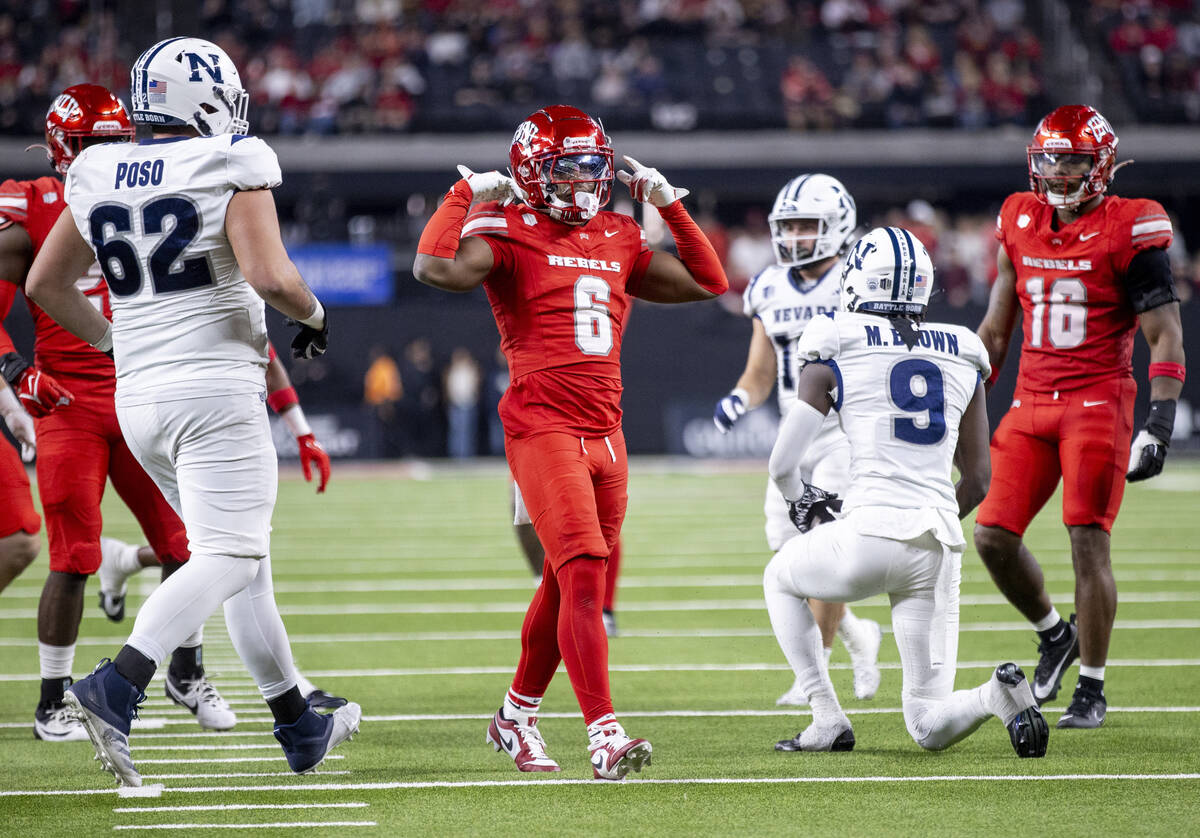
{"x":444,"y":228}
{"x":695,"y":250}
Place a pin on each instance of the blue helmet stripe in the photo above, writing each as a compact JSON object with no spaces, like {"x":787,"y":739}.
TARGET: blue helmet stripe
{"x":912,"y":263}
{"x":140,"y":69}
{"x":891,"y":231}
{"x":794,"y":194}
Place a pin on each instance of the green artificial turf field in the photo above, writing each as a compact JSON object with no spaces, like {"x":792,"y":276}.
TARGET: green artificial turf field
{"x":407,"y":595}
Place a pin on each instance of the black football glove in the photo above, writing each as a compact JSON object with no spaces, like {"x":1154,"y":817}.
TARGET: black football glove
{"x":814,"y":506}
{"x":310,"y":342}
{"x":1149,"y":449}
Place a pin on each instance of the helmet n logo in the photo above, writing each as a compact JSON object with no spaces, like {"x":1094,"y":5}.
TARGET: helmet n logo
{"x":861,"y":251}
{"x":196,"y":62}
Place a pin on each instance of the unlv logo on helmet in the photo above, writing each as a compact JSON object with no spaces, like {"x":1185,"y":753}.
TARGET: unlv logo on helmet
{"x":66,"y":108}
{"x":1100,"y":128}
{"x":80,"y":115}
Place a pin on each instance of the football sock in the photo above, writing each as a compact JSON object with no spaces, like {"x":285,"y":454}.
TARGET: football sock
{"x":1050,"y":626}
{"x":581,"y":637}
{"x":799,"y":637}
{"x":539,"y":640}
{"x":599,"y":729}
{"x":185,"y":600}
{"x":611,"y":569}
{"x":258,"y":635}
{"x":135,"y":667}
{"x":52,"y":690}
{"x":55,"y":661}
{"x":1091,"y":682}
{"x":288,"y":707}
{"x":518,"y":708}
{"x":187,"y":663}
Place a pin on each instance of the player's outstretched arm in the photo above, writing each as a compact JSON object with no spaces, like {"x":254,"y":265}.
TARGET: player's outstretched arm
{"x":285,"y":401}
{"x":972,"y":455}
{"x":755,"y":383}
{"x":697,"y":273}
{"x":997,"y":327}
{"x":63,"y":258}
{"x":445,"y":259}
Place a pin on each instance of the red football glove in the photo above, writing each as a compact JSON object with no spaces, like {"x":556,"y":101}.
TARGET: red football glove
{"x":312,"y":452}
{"x":40,"y":394}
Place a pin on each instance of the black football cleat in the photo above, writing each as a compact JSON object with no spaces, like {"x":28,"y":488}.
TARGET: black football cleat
{"x":1054,"y":656}
{"x":1086,"y":711}
{"x":1027,"y":728}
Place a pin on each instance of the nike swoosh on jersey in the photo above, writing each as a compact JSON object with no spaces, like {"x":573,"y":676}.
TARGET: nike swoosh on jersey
{"x":1085,"y":236}
{"x":1086,"y":403}
{"x":608,"y":234}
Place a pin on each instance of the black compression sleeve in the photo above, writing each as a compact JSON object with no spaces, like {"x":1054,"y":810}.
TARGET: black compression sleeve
{"x":1149,"y":280}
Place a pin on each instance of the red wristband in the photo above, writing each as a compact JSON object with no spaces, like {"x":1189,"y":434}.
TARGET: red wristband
{"x":271,"y":353}
{"x":695,"y":250}
{"x":1167,"y":368}
{"x":280,"y":400}
{"x":444,"y":228}
{"x":991,"y":379}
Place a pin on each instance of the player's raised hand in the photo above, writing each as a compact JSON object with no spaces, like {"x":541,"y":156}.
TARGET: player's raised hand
{"x":1146,"y":457}
{"x":19,"y":423}
{"x":311,"y":453}
{"x":649,"y":186}
{"x":730,"y":409}
{"x":40,"y":393}
{"x":488,"y":186}
{"x":814,"y":506}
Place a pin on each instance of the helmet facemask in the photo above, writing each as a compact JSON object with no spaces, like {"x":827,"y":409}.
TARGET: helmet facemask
{"x":1065,"y":178}
{"x":801,"y":240}
{"x":575,"y":186}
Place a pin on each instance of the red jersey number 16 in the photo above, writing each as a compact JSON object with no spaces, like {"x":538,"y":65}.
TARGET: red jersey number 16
{"x":1068,"y":316}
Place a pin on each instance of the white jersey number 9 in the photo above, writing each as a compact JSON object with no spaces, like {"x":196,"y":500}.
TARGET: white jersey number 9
{"x":593,"y":328}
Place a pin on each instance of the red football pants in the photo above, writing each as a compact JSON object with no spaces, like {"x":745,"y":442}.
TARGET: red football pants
{"x":79,"y":446}
{"x":16,"y":500}
{"x":575,"y":492}
{"x":1081,"y":435}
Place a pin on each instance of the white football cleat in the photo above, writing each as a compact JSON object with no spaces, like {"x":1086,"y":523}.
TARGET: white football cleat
{"x":118,"y":561}
{"x":862,"y":638}
{"x":834,"y":735}
{"x":794,"y":697}
{"x":614,"y":754}
{"x":58,"y":724}
{"x":522,"y":742}
{"x":201,"y":697}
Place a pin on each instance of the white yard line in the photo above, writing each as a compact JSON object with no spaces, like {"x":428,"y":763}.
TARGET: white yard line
{"x":342,"y":787}
{"x":290,"y":825}
{"x":640,"y":667}
{"x":212,"y":761}
{"x":237,"y":807}
{"x":227,"y":776}
{"x":214,"y":662}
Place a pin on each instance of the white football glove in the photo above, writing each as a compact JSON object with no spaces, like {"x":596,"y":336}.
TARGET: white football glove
{"x":19,"y":423}
{"x":488,"y":186}
{"x":649,"y":186}
{"x":730,"y":409}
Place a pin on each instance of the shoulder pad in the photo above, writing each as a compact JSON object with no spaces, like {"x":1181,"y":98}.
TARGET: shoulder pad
{"x":252,"y":163}
{"x":14,"y":201}
{"x":972,"y":350}
{"x":820,"y":339}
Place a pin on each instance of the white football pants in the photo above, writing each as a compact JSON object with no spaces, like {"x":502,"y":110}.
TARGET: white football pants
{"x":214,"y":462}
{"x":921,"y":577}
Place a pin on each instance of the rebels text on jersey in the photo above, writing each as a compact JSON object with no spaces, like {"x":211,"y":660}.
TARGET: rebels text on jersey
{"x":560,"y":294}
{"x":154,"y":212}
{"x":1077,"y":319}
{"x":36,"y":205}
{"x":784,"y":306}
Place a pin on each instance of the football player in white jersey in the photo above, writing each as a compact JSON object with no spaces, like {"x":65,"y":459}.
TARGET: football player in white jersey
{"x":812,"y":225}
{"x":910,"y":397}
{"x":185,"y":231}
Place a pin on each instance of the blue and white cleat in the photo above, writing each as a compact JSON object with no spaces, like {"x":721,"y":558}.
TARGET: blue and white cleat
{"x":308,"y":740}
{"x":106,"y":703}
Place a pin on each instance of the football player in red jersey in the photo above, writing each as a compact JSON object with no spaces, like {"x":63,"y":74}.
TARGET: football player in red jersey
{"x":560,"y":275}
{"x":1084,"y":269}
{"x":19,"y":521}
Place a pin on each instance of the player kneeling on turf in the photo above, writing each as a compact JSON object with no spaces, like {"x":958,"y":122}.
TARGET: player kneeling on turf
{"x":910,"y":398}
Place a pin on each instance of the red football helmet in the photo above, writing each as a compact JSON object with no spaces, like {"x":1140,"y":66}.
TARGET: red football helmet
{"x":563,"y":161}
{"x":80,"y":113}
{"x":1072,"y":156}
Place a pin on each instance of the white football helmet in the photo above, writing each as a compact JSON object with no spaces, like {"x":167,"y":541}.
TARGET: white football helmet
{"x":888,"y":271}
{"x":819,"y":197}
{"x":189,"y":81}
